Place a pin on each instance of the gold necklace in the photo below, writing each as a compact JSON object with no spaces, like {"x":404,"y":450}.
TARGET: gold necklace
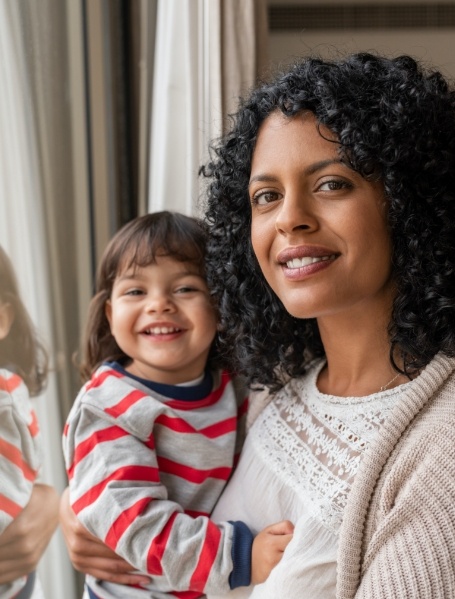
{"x":385,"y":387}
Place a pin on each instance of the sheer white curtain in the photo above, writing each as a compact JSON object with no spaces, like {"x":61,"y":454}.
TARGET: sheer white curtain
{"x":207,"y":53}
{"x":23,"y":238}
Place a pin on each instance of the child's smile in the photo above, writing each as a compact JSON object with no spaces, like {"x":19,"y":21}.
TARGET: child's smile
{"x":162,"y":332}
{"x":162,"y":318}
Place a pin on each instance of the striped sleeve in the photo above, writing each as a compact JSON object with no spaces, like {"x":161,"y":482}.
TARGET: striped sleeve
{"x":19,"y":447}
{"x":117,"y":493}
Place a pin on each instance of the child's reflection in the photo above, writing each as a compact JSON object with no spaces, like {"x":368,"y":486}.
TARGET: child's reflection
{"x":23,"y":370}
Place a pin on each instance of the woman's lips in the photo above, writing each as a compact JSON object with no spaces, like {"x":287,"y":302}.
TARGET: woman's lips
{"x":304,"y":251}
{"x":298,"y":273}
{"x":302,"y":261}
{"x":308,"y":260}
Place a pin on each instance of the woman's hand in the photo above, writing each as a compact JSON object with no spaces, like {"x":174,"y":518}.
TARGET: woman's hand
{"x":90,"y":555}
{"x":23,"y":542}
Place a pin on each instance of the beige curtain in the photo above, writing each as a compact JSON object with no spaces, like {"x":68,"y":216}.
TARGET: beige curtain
{"x":244,"y":57}
{"x":208,"y":53}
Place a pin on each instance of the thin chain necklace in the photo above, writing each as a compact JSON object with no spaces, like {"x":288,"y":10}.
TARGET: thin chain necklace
{"x":385,"y":387}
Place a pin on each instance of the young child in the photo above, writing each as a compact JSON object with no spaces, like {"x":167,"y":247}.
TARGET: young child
{"x":153,"y":435}
{"x":23,"y":370}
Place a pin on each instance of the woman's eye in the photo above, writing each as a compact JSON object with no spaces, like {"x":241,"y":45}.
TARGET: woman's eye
{"x":334,"y":185}
{"x":262,"y":198}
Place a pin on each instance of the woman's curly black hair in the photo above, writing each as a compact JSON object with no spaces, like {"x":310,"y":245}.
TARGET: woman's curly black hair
{"x":395,"y":122}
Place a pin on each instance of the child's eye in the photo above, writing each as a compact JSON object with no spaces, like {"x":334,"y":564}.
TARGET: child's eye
{"x":185,"y":289}
{"x":134,"y":292}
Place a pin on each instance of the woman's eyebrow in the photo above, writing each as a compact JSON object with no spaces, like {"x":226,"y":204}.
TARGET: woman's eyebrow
{"x":317,"y":166}
{"x":309,"y":170}
{"x":263,"y":178}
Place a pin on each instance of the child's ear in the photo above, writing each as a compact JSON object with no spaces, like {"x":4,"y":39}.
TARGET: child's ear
{"x":6,"y":319}
{"x":108,"y":311}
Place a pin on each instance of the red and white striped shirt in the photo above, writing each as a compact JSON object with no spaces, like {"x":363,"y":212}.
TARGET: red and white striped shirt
{"x":145,"y":470}
{"x":20,"y":455}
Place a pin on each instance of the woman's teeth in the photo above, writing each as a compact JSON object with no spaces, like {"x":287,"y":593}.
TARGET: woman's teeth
{"x":299,"y":262}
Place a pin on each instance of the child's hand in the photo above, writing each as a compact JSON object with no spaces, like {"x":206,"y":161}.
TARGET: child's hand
{"x":268,"y":547}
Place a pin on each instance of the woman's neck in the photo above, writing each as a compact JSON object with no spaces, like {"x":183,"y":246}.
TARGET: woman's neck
{"x":358,"y":355}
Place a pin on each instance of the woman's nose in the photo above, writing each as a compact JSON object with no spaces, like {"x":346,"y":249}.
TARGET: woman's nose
{"x":295,"y":213}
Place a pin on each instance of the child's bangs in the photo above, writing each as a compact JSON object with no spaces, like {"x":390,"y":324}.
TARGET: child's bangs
{"x":178,"y":245}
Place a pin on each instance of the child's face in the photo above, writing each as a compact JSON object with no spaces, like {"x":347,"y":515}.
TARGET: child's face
{"x":162,"y":318}
{"x":6,"y":319}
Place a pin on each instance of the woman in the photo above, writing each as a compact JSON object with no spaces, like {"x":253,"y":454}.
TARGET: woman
{"x":332,"y":215}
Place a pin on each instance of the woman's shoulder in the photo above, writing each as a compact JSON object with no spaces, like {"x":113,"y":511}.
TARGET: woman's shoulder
{"x":438,"y":412}
{"x":435,"y":389}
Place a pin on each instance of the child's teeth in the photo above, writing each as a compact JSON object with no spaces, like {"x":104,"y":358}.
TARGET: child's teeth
{"x":161,"y":330}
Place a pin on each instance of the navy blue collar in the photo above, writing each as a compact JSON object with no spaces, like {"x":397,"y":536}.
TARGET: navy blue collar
{"x":192,"y":393}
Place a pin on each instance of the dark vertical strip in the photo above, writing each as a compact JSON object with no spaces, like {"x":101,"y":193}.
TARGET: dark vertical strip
{"x":122,"y":111}
{"x":132,"y":100}
{"x":92,"y":240}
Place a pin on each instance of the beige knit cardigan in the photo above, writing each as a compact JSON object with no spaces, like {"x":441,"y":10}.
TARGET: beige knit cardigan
{"x":397,"y":539}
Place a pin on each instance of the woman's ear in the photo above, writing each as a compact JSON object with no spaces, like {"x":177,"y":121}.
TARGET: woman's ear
{"x":6,"y":319}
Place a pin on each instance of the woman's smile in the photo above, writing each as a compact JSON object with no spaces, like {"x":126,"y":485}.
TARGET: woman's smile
{"x":300,"y":262}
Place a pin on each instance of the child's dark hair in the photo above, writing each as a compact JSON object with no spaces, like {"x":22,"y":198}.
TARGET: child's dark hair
{"x":20,"y":350}
{"x":138,"y":243}
{"x":395,"y":122}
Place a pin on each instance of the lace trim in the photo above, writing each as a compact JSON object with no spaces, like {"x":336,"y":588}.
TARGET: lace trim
{"x":314,"y":442}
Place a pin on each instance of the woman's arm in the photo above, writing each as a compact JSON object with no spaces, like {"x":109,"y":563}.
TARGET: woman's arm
{"x":23,"y":542}
{"x":411,"y":539}
{"x":89,"y":555}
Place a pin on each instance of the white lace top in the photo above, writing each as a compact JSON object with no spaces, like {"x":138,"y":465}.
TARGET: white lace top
{"x":298,"y":463}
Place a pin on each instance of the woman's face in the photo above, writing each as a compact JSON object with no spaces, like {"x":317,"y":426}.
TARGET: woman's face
{"x":319,"y":229}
